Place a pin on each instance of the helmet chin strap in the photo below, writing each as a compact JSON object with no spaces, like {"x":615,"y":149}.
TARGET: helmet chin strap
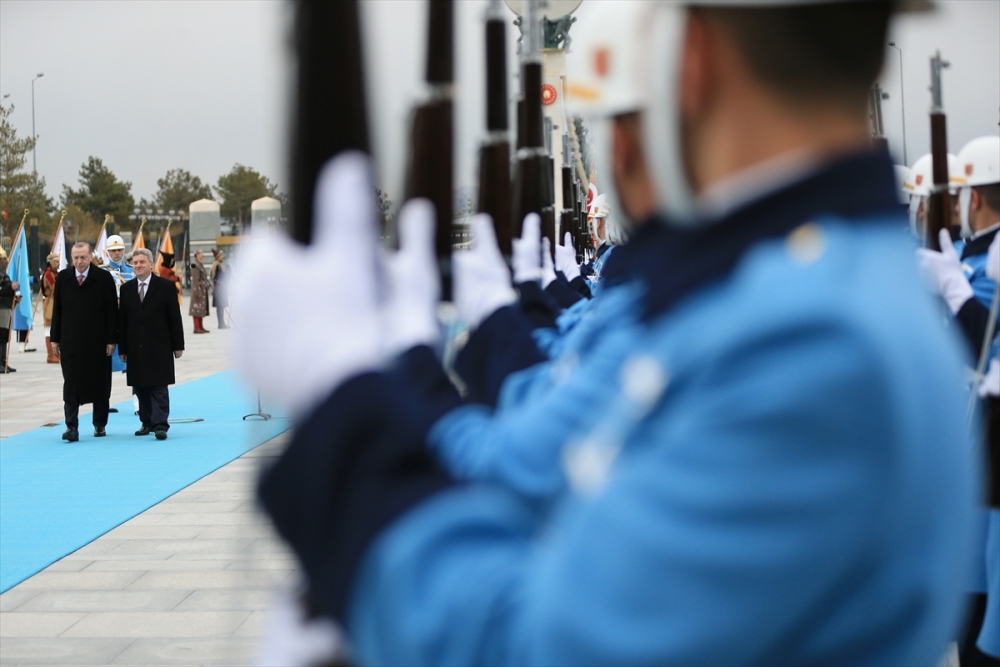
{"x":964,"y":202}
{"x":662,"y":125}
{"x":914,"y":208}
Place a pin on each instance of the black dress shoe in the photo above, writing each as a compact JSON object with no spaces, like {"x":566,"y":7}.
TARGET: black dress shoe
{"x":8,"y":369}
{"x":112,"y":409}
{"x":99,"y":432}
{"x":145,"y":430}
{"x":161,"y":434}
{"x":71,"y":434}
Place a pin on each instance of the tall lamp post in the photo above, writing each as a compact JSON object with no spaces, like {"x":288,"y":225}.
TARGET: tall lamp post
{"x":902,"y":100}
{"x":34,"y":136}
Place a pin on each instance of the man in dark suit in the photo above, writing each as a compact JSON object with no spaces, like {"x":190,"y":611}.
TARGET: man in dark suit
{"x":152,"y":336}
{"x":84,"y":333}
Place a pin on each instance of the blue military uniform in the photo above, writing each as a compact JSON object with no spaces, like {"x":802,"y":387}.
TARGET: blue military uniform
{"x":973,"y":316}
{"x":122,"y":272}
{"x":777,"y":470}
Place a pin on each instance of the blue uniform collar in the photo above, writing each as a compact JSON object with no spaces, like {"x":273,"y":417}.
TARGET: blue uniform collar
{"x":676,"y":261}
{"x":979,"y":244}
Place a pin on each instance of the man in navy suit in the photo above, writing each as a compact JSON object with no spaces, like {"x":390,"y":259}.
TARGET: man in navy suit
{"x":152,"y":336}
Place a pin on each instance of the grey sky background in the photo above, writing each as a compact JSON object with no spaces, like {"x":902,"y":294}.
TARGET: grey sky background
{"x":150,"y":86}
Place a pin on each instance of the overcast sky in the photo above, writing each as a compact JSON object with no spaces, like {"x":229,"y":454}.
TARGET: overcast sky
{"x":150,"y":86}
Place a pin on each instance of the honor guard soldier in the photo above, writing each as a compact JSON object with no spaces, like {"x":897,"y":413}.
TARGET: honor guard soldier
{"x":777,"y":397}
{"x":119,"y":268}
{"x":122,"y":272}
{"x":958,"y":272}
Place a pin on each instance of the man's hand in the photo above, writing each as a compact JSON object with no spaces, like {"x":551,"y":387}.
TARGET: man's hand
{"x":15,"y":285}
{"x":178,"y":353}
{"x":943,"y":271}
{"x":298,"y":345}
{"x":108,"y":350}
{"x":123,"y":357}
{"x":55,"y":349}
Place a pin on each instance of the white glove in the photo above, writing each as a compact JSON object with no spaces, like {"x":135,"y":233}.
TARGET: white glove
{"x":566,"y":258}
{"x":527,"y":251}
{"x":413,"y":285}
{"x":993,"y":260}
{"x":943,"y":271}
{"x":297,"y":344}
{"x":292,"y":640}
{"x":548,"y":270}
{"x":482,"y":280}
{"x":990,"y":384}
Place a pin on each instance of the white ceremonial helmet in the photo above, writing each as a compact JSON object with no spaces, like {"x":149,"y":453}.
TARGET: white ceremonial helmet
{"x":599,"y":207}
{"x":604,"y":78}
{"x":979,"y":161}
{"x":662,"y":36}
{"x":115,"y":242}
{"x":905,"y":183}
{"x":922,"y":174}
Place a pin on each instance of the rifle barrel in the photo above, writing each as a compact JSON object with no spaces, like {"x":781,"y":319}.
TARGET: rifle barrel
{"x":330,"y":114}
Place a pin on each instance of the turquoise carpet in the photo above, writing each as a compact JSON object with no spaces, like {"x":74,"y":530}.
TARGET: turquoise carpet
{"x":57,"y":496}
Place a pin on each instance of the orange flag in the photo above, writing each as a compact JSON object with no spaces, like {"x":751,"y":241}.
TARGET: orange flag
{"x":166,"y":246}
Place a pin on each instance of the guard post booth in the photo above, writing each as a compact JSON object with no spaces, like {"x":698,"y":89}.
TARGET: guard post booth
{"x":265,"y":216}
{"x":205,"y":225}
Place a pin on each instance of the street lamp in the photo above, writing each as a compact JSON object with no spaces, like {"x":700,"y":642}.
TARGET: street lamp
{"x":902,"y":99}
{"x":34,"y":136}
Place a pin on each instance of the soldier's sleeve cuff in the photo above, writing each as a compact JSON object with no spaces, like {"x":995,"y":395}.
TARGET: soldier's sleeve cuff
{"x":500,"y":346}
{"x":354,"y":466}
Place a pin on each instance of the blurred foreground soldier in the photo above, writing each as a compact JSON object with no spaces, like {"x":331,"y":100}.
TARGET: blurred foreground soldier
{"x":8,"y":292}
{"x":200,"y":287}
{"x":48,"y":292}
{"x":152,"y":336}
{"x":84,"y":334}
{"x":778,"y":399}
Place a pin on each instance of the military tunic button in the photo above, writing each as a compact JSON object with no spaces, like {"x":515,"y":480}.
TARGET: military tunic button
{"x":643,"y":380}
{"x":806,"y":244}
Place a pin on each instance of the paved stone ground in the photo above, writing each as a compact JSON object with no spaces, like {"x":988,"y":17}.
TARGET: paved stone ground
{"x":184,"y":583}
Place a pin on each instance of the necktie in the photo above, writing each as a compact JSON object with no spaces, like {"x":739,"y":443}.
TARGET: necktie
{"x":142,"y":292}
{"x":79,"y":279}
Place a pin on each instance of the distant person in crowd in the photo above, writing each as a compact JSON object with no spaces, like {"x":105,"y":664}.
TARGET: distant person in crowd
{"x":152,"y":336}
{"x":8,"y":292}
{"x":200,"y":287}
{"x":48,"y":291}
{"x":84,"y":334}
{"x":167,"y":271}
{"x":219,"y":274}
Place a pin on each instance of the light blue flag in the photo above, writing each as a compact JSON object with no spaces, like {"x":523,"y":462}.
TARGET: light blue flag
{"x":17,"y":270}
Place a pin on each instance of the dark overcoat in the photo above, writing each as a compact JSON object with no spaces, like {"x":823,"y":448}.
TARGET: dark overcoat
{"x":151,"y":330}
{"x":84,"y":323}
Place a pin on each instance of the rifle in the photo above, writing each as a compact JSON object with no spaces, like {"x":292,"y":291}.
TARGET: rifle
{"x":330,"y":114}
{"x":567,"y":217}
{"x":431,"y":160}
{"x":494,"y":155}
{"x":939,"y":203}
{"x":532,"y":170}
{"x":875,"y":97}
